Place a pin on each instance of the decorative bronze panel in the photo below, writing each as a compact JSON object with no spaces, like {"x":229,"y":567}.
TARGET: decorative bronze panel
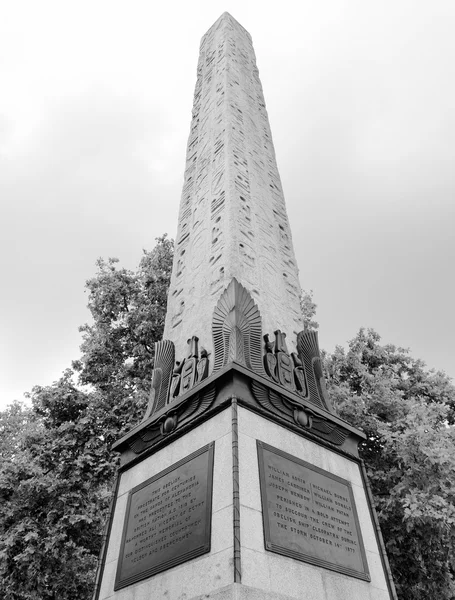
{"x":309,"y":514}
{"x":168,"y":519}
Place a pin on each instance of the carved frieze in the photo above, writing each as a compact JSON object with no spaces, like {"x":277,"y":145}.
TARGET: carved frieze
{"x":173,"y":379}
{"x":191,"y":370}
{"x":282,"y":367}
{"x":300,"y":373}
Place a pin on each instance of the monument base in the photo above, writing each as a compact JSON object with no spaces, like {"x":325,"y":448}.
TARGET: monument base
{"x":238,"y":591}
{"x":240,"y":506}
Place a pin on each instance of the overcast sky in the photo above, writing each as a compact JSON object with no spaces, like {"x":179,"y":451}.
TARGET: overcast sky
{"x":95,"y":108}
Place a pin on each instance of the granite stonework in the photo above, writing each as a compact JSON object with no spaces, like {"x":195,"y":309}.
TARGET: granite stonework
{"x":259,"y":572}
{"x":277,"y":574}
{"x":207,"y":572}
{"x":232,"y":220}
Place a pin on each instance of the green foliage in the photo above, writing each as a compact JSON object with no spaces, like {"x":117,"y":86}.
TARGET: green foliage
{"x":128,"y":310}
{"x":308,"y":308}
{"x":407,"y":414}
{"x":57,"y":468}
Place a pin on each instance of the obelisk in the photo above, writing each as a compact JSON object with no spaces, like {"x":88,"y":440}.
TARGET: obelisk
{"x":232,"y":220}
{"x":241,"y":482}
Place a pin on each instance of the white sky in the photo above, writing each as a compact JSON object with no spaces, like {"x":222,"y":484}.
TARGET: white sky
{"x":95,"y":108}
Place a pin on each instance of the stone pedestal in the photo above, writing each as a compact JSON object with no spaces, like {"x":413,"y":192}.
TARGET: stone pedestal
{"x":237,"y":563}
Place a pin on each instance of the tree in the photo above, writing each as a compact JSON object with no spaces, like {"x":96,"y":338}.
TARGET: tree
{"x":308,"y":309}
{"x":52,"y":499}
{"x":407,"y":413}
{"x":57,"y":467}
{"x":128,"y":310}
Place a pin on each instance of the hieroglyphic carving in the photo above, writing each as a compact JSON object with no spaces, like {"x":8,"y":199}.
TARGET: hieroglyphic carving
{"x":232,"y":220}
{"x":161,"y":378}
{"x":236,"y":328}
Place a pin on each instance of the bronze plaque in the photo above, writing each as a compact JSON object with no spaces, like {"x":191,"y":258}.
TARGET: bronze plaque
{"x":168,"y":519}
{"x":309,"y":514}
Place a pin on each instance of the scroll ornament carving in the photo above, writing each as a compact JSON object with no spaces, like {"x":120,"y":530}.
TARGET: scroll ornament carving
{"x":237,"y":329}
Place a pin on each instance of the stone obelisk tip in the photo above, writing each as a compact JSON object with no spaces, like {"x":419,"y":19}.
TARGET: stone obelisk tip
{"x":226,"y":18}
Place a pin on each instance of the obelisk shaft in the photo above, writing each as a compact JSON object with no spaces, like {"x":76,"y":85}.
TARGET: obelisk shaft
{"x":233,"y":220}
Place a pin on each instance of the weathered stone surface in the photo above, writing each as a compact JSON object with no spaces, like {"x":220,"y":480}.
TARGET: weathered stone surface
{"x":233,"y":220}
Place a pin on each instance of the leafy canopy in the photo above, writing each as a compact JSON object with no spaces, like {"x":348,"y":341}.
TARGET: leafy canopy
{"x":407,"y":414}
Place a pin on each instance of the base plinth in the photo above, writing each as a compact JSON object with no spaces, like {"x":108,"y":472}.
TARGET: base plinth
{"x":240,"y":562}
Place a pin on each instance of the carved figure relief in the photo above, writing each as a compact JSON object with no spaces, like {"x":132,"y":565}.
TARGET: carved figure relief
{"x":299,"y":375}
{"x":188,"y":376}
{"x":270,"y":359}
{"x":175,"y":383}
{"x":191,"y":370}
{"x":284,"y":366}
{"x":203,"y":366}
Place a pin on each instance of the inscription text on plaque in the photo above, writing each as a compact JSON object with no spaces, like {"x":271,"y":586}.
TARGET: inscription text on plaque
{"x":168,"y":519}
{"x":309,"y":514}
